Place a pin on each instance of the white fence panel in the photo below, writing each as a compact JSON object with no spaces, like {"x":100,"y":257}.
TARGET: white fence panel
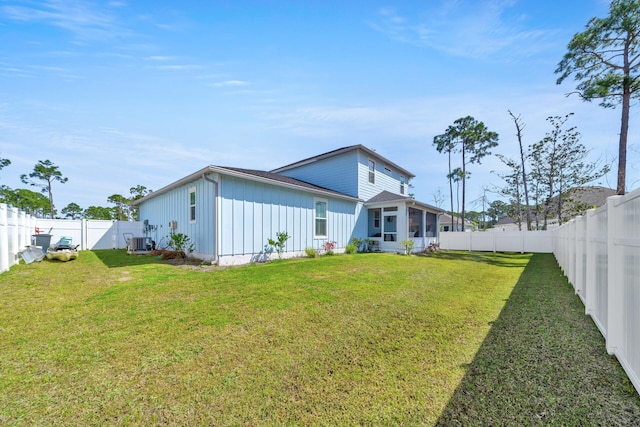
{"x":580,"y":284}
{"x":4,"y":239}
{"x":91,"y":234}
{"x":62,"y":228}
{"x":15,"y":234}
{"x":499,"y":241}
{"x":102,"y":234}
{"x":596,"y":267}
{"x":600,"y":254}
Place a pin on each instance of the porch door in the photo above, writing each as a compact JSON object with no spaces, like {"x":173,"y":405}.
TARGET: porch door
{"x":390,"y":224}
{"x":416,"y":228}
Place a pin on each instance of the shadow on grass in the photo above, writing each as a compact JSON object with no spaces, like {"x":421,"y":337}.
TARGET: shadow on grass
{"x":115,"y":258}
{"x":500,"y":259}
{"x":543,"y":362}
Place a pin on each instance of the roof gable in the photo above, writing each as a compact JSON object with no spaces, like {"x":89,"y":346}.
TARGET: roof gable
{"x":343,"y":150}
{"x":271,"y":176}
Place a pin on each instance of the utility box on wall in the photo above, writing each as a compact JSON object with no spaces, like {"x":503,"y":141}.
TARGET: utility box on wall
{"x":173,"y":225}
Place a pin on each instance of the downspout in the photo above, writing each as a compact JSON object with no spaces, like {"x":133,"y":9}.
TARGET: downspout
{"x":216,"y":223}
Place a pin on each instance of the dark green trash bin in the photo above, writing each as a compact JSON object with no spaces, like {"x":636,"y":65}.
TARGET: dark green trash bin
{"x":42,"y":240}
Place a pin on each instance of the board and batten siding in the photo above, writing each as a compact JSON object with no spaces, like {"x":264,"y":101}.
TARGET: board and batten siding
{"x":384,"y":181}
{"x":252,"y":212}
{"x":174,"y":206}
{"x":338,"y":173}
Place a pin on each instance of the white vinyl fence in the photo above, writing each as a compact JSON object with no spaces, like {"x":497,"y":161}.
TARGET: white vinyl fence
{"x":600,"y":254}
{"x":17,"y":228}
{"x":89,"y":233}
{"x":505,"y":241}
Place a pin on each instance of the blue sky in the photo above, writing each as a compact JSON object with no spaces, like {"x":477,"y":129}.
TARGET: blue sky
{"x":126,"y":93}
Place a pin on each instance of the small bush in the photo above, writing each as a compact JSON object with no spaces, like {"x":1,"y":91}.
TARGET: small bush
{"x":433,"y":247}
{"x":279,"y":244}
{"x":351,"y":248}
{"x":328,"y":247}
{"x":311,"y":252}
{"x":181,"y":243}
{"x":408,"y":245}
{"x":358,"y":242}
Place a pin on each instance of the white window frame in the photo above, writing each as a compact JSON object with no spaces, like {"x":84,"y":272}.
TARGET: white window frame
{"x":316,"y":218}
{"x":371,"y":164}
{"x":192,"y":205}
{"x":402,"y":184}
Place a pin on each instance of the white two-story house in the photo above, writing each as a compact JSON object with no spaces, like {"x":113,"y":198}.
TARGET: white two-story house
{"x":230,"y":213}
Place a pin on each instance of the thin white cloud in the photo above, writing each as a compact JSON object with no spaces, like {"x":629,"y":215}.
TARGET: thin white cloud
{"x":466,"y":28}
{"x":232,"y":83}
{"x":160,"y":58}
{"x":80,"y":18}
{"x":8,"y":70}
{"x":178,"y":67}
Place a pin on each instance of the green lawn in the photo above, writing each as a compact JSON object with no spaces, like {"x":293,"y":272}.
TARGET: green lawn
{"x":373,"y":339}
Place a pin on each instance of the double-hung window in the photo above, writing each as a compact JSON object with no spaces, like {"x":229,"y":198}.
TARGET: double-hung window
{"x":372,"y":171}
{"x":320,"y":214}
{"x":192,"y":204}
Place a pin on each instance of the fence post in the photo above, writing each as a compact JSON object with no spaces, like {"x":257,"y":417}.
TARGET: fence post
{"x":4,"y":239}
{"x":84,"y":230}
{"x":570,"y":248}
{"x":615,"y":297}
{"x":22,"y":230}
{"x":114,"y":235}
{"x":579,"y":284}
{"x":494,"y":241}
{"x":590,"y":248}
{"x":12,"y":222}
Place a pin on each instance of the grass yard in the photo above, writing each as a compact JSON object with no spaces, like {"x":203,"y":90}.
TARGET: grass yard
{"x":363,"y":339}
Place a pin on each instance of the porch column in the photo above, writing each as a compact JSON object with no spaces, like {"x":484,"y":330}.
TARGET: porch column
{"x":423,"y":225}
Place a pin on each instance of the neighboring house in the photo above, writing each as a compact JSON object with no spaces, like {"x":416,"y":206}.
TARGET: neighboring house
{"x":445,"y":223}
{"x":230,"y":213}
{"x":576,"y":202}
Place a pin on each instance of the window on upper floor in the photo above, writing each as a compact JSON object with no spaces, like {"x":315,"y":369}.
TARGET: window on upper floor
{"x":372,"y":171}
{"x":402,"y":184}
{"x":192,"y":204}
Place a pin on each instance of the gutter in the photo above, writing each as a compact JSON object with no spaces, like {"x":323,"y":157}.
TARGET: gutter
{"x":216,"y":222}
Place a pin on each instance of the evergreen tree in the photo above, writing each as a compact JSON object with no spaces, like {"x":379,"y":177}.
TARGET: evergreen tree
{"x":604,"y":59}
{"x":45,"y":171}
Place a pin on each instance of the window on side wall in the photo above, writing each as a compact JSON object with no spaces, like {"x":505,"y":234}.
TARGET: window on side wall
{"x":402,"y":184}
{"x":320,"y":218}
{"x":192,"y":204}
{"x":372,"y":171}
